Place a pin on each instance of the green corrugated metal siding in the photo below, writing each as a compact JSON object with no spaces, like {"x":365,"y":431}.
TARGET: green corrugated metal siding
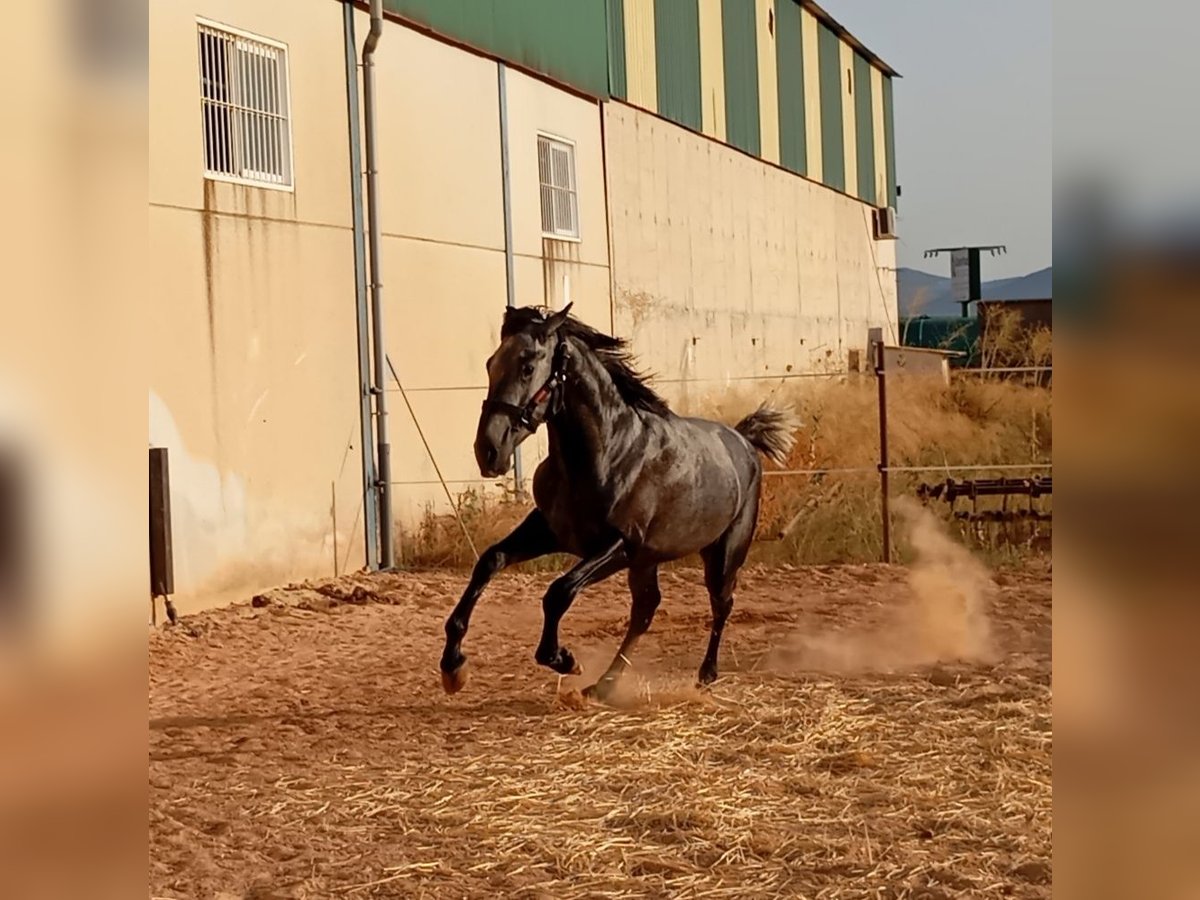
{"x":677,"y":60}
{"x":889,"y":140}
{"x":864,"y":124}
{"x":789,"y":68}
{"x":833,"y":147}
{"x":581,"y":43}
{"x":740,"y":47}
{"x":566,"y":41}
{"x":616,"y":49}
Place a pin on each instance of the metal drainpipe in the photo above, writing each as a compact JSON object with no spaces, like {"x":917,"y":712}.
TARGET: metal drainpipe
{"x":374,"y":239}
{"x":506,"y":192}
{"x":361,"y":303}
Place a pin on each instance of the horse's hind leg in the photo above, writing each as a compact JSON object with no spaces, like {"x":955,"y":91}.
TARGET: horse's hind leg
{"x":722,"y":560}
{"x":643,"y":585}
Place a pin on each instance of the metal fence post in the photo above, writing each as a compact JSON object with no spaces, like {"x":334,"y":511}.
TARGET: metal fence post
{"x":875,"y":339}
{"x":509,"y":265}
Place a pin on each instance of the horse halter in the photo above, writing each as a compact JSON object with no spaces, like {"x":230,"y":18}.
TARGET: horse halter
{"x":528,"y":415}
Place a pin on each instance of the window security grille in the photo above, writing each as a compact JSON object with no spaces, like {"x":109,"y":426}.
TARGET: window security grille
{"x":245,"y":108}
{"x":560,"y":200}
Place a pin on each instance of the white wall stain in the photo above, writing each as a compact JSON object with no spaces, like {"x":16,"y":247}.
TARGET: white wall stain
{"x":208,"y":510}
{"x":224,"y":540}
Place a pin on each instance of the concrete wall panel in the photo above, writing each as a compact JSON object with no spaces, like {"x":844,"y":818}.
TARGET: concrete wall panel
{"x":762,"y":274}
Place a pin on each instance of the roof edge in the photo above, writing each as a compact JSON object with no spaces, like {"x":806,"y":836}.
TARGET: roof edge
{"x":841,"y":31}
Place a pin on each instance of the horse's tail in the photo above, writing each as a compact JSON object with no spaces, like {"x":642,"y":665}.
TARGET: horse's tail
{"x":770,"y":432}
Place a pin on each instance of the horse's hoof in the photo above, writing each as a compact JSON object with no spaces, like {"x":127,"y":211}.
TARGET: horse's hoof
{"x":598,"y":692}
{"x":452,"y":682}
{"x":706,"y":678}
{"x":567,"y":664}
{"x":562,"y":662}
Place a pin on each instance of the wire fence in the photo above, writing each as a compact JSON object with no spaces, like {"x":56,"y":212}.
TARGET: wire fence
{"x":882,"y":469}
{"x":1012,"y":370}
{"x":734,"y":379}
{"x":849,"y":470}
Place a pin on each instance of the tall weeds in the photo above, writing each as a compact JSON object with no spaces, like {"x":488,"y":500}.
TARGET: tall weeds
{"x":833,"y":517}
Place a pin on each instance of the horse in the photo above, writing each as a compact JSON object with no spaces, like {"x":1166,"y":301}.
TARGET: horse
{"x":627,"y":484}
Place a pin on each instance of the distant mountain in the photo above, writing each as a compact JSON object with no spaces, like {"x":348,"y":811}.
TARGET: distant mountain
{"x":924,"y":294}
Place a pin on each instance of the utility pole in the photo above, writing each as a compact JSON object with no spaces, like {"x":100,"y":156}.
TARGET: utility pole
{"x":965,"y":279}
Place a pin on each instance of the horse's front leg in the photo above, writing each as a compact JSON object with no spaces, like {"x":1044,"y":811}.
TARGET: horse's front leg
{"x":529,"y":540}
{"x":559,"y":597}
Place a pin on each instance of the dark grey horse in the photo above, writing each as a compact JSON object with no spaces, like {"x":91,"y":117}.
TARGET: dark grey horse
{"x":627,"y":485}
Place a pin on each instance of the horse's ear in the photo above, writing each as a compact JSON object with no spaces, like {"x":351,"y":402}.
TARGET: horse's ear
{"x":557,"y":320}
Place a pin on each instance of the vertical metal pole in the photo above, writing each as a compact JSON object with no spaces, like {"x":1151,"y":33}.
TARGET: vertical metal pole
{"x":383,"y":447}
{"x":974,"y":280}
{"x":510,"y":276}
{"x":366,"y":437}
{"x":881,"y":380}
{"x":162,"y":554}
{"x":333,"y":516}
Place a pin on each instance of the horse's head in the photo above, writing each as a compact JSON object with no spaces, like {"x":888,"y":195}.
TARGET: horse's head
{"x":524,"y":383}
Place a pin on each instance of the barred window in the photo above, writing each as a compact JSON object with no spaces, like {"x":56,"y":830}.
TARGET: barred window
{"x":560,"y":200}
{"x":245,"y":108}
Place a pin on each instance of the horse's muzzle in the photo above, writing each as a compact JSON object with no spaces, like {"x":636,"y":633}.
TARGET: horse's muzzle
{"x":494,"y":445}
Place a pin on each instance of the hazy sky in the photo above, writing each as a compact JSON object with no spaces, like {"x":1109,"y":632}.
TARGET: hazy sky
{"x":973,"y":146}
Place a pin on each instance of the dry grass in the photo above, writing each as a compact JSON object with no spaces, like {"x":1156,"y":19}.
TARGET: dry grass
{"x":835,"y":518}
{"x":1008,"y":341}
{"x":438,"y":543}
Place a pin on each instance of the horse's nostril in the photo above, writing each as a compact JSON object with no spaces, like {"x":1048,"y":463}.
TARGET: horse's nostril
{"x":491,"y":453}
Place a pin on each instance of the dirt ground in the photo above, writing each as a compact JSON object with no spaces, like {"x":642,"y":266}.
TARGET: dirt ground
{"x":855,"y":745}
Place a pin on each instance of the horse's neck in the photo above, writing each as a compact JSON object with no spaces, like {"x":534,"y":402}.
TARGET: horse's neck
{"x":582,"y":435}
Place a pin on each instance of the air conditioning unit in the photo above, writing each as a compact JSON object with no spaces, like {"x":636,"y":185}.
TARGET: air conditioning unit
{"x":885,"y":223}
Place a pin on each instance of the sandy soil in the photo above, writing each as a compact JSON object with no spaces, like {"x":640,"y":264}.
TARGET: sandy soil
{"x":303,"y":747}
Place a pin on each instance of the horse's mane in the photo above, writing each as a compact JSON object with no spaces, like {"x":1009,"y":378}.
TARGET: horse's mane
{"x":613,"y":353}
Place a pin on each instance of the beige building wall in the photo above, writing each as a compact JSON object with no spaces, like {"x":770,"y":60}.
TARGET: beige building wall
{"x":253,"y":371}
{"x":442,"y":203}
{"x":764,"y":273}
{"x":252,"y":366}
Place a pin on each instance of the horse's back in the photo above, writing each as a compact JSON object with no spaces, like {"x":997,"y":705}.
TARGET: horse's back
{"x":740,"y":453}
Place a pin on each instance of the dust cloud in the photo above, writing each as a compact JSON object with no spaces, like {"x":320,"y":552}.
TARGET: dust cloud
{"x":944,"y":619}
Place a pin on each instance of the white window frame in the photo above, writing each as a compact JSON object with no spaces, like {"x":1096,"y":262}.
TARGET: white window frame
{"x":288,"y":184}
{"x":573,"y":190}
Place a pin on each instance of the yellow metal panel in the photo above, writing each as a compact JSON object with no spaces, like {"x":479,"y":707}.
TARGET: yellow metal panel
{"x":641,"y":70}
{"x":812,"y":94}
{"x":712,"y":69}
{"x":848,"y":124}
{"x":881,"y":175}
{"x":768,"y":83}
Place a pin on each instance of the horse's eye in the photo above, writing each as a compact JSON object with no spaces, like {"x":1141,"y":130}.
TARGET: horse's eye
{"x":527,"y":370}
